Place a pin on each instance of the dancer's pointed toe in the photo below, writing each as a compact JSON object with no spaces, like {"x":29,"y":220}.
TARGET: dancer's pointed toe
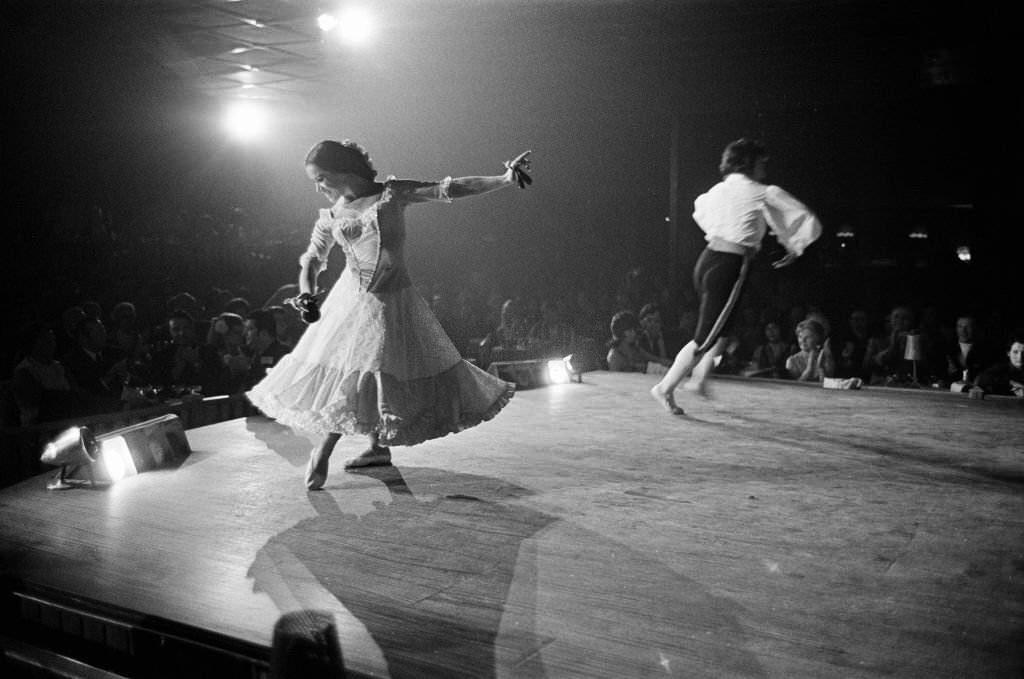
{"x":316,"y":470}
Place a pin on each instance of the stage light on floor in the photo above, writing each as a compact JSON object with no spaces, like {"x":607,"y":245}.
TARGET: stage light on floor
{"x":159,"y":443}
{"x":536,"y":373}
{"x":75,"y":448}
{"x":116,"y":459}
{"x":557,"y":372}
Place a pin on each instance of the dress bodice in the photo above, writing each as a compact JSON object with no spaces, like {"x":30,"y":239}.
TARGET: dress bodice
{"x":372,"y":237}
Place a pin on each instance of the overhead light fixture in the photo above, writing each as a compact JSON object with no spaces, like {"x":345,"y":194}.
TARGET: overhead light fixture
{"x":327,"y":22}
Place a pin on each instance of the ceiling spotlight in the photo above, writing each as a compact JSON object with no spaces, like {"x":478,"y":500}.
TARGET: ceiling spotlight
{"x":355,"y":26}
{"x":246,"y":120}
{"x":326,"y":22}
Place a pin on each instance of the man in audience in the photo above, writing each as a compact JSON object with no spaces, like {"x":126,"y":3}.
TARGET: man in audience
{"x":97,"y":372}
{"x":179,"y":362}
{"x":969,"y":354}
{"x":262,"y":344}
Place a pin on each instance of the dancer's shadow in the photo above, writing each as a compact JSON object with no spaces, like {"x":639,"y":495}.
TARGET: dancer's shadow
{"x":280,"y":439}
{"x":426,"y":573}
{"x":441,"y":574}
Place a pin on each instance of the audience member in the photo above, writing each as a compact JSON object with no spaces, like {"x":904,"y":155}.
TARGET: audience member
{"x":853,"y":357}
{"x":554,"y":334}
{"x":968,"y":355}
{"x":237,"y":305}
{"x":814,"y":361}
{"x":1006,"y":378}
{"x":223,"y":361}
{"x":885,"y":358}
{"x":41,"y":390}
{"x":623,"y":353}
{"x":510,"y":339}
{"x":96,"y":371}
{"x":769,"y":359}
{"x":177,"y":364}
{"x":67,"y":335}
{"x":652,"y":337}
{"x":263,"y":346}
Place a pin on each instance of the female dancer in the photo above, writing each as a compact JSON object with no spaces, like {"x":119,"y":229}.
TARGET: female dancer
{"x":734,"y":214}
{"x":376,"y":362}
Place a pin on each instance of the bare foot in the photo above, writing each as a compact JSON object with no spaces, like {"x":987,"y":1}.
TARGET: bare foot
{"x":667,"y":401}
{"x":377,"y":456}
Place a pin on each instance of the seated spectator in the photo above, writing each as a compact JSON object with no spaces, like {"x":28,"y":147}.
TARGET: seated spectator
{"x":554,"y":334}
{"x":814,"y":361}
{"x":510,"y":338}
{"x":237,"y":305}
{"x":854,"y":341}
{"x":262,"y":344}
{"x":223,"y":359}
{"x":41,"y":390}
{"x":70,"y":319}
{"x":769,"y":359}
{"x":885,"y":355}
{"x":181,"y":364}
{"x":97,"y":372}
{"x":652,"y":337}
{"x":623,"y":353}
{"x":968,"y":355}
{"x":124,"y":333}
{"x":1006,"y":378}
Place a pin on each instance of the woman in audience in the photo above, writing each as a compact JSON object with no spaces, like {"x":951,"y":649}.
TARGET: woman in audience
{"x":376,"y":362}
{"x":624,"y":355}
{"x":1007,"y":377}
{"x":814,"y":361}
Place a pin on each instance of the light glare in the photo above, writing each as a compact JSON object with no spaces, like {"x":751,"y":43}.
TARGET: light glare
{"x":116,"y":458}
{"x":558,"y":372}
{"x":355,"y":26}
{"x":245,"y":121}
{"x":326,"y":22}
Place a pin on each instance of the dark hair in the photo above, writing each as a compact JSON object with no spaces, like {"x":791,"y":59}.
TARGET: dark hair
{"x":621,"y":322}
{"x":264,"y":320}
{"x":181,"y":313}
{"x":741,"y":156}
{"x":649,"y":309}
{"x":343,"y":156}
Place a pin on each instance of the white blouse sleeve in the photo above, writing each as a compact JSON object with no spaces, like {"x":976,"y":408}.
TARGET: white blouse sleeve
{"x":320,"y":243}
{"x":412,"y":191}
{"x":791,"y":221}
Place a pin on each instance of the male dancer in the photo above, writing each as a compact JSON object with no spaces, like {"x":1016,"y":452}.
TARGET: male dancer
{"x":734,"y":214}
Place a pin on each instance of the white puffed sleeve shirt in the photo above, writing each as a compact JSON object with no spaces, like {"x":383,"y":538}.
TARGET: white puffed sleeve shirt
{"x":739,"y":210}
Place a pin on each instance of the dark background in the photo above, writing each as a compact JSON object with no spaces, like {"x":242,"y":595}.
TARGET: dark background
{"x":884,"y":117}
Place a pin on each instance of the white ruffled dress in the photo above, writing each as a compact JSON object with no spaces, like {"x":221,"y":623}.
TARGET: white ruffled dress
{"x":377,"y":360}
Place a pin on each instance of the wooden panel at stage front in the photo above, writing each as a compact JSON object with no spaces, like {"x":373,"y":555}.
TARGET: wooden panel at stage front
{"x":775,"y":531}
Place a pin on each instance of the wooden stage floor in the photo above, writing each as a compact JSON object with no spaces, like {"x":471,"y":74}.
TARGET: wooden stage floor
{"x":778,"y":530}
